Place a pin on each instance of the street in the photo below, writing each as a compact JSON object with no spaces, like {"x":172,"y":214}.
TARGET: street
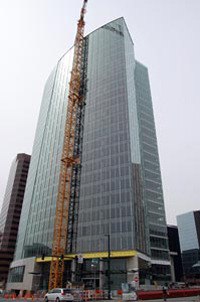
{"x":182,"y":299}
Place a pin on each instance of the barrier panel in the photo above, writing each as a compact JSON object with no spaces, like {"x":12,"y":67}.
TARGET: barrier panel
{"x":99,"y":294}
{"x":89,"y":295}
{"x":86,"y":295}
{"x":173,"y":293}
{"x":28,"y":295}
{"x":14,"y":296}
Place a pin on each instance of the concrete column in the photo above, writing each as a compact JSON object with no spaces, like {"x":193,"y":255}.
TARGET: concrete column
{"x":101,"y":276}
{"x":132,"y":268}
{"x":173,"y":279}
{"x":73,"y":270}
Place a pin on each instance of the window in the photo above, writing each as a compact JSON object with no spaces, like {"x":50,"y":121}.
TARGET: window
{"x":56,"y":291}
{"x":16,"y":274}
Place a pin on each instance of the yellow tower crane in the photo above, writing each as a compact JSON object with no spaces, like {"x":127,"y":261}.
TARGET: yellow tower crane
{"x":68,"y":160}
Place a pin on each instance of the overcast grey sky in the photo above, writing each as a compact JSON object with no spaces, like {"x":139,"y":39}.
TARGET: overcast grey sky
{"x":34,"y":34}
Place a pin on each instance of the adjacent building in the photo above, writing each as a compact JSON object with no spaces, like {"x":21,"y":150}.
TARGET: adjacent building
{"x":11,"y":211}
{"x":175,"y":254}
{"x":120,"y":201}
{"x":189,"y":235}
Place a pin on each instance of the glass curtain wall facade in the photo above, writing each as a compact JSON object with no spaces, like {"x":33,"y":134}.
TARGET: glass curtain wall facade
{"x":121,"y":190}
{"x":151,"y":176}
{"x":38,"y":212}
{"x":189,"y":235}
{"x":121,"y":180}
{"x":109,"y":196}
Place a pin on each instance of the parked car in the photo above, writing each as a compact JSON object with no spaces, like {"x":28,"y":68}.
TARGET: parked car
{"x":59,"y":294}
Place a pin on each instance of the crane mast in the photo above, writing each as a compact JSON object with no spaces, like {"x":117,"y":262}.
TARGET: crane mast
{"x":69,"y":160}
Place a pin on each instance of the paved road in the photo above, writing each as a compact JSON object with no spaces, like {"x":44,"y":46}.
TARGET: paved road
{"x":21,"y":300}
{"x":183,"y":299}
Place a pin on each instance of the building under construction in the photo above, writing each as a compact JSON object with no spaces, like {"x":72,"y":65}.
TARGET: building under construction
{"x":93,"y":211}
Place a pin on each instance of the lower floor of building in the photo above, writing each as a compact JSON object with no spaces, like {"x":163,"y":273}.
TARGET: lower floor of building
{"x":99,"y":270}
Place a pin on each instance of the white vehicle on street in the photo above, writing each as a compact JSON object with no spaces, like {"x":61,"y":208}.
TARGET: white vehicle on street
{"x":129,"y":296}
{"x":59,"y":294}
{"x":128,"y":292}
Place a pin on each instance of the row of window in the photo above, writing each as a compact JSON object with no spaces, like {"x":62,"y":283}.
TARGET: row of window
{"x":115,"y":227}
{"x":118,"y":184}
{"x":100,"y":214}
{"x":105,"y":152}
{"x":106,"y":139}
{"x":161,"y":255}
{"x":106,"y":199}
{"x":158,"y":242}
{"x":123,"y":242}
{"x":104,"y":174}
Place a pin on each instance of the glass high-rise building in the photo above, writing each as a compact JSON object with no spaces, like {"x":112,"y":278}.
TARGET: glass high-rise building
{"x":120,"y":189}
{"x":189,"y":236}
{"x":11,"y":211}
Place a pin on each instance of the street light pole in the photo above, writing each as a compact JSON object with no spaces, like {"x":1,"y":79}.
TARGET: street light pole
{"x":109,"y":281}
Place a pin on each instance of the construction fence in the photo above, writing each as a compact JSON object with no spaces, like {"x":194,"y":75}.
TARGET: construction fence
{"x":79,"y":295}
{"x":97,"y":295}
